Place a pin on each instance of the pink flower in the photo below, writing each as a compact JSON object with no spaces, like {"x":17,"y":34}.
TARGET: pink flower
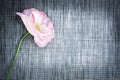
{"x":38,"y":25}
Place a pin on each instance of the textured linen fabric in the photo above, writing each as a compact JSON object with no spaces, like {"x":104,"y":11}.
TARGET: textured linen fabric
{"x":86,"y":44}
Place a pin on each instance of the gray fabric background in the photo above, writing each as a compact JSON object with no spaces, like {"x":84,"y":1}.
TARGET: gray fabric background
{"x":85,"y":47}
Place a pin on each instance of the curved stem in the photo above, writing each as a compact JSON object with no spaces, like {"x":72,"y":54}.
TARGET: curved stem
{"x":16,"y":55}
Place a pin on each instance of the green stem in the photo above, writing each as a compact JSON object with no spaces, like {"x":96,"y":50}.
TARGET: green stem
{"x":16,"y":55}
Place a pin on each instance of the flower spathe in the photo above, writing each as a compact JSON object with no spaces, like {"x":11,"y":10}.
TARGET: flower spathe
{"x":39,"y":25}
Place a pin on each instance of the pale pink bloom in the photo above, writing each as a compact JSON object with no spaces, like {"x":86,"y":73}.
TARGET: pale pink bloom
{"x":38,"y":25}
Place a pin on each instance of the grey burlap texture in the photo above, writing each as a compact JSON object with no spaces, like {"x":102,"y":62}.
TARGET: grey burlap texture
{"x":85,"y":47}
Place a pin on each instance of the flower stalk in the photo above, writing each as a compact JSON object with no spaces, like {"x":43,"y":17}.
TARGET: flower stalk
{"x":16,"y":55}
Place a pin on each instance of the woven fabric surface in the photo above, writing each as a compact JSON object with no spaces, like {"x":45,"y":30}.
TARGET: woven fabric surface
{"x":85,"y":47}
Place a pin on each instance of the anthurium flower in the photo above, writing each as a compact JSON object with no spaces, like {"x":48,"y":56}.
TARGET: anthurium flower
{"x":39,"y":25}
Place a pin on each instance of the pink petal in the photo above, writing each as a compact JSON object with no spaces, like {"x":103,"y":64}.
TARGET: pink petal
{"x":38,"y":16}
{"x":30,"y":17}
{"x":28,"y":23}
{"x":40,"y":44}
